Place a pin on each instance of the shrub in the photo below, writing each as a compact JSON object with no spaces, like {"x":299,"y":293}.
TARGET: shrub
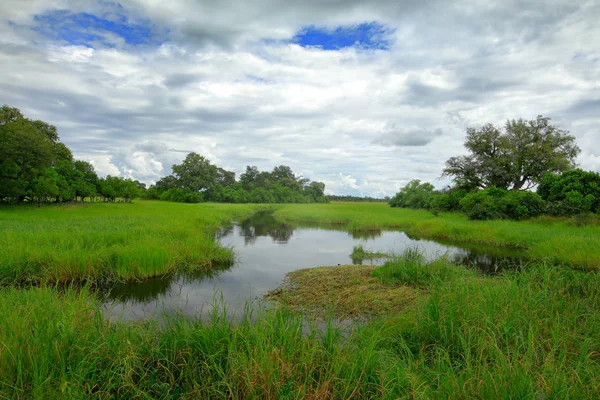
{"x":521,"y":205}
{"x":572,"y":192}
{"x":494,"y":203}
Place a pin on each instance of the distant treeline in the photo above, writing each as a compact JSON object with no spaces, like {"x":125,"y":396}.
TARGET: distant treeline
{"x":196,"y":180}
{"x":492,"y":182}
{"x":357,"y":199}
{"x":36,"y":167}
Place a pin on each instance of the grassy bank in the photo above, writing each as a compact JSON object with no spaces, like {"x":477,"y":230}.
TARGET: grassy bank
{"x":529,"y":335}
{"x":541,"y":239}
{"x":110,"y":241}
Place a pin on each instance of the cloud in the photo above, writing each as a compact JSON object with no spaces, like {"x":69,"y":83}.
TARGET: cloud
{"x":395,"y":136}
{"x":363,"y":96}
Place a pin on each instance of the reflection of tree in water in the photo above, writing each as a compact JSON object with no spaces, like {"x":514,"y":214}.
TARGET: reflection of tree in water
{"x":151,"y":288}
{"x":488,"y":264}
{"x":370,"y":234}
{"x":264,"y":224}
{"x":223,"y":232}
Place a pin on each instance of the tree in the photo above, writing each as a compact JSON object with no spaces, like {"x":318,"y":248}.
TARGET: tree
{"x":415,"y":194}
{"x":25,"y":153}
{"x":247,"y":178}
{"x":195,"y":173}
{"x":516,"y":157}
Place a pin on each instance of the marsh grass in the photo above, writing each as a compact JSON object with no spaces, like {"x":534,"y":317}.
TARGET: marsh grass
{"x":110,"y":242}
{"x":531,"y":334}
{"x":447,"y":332}
{"x":412,"y":268}
{"x":551,"y":240}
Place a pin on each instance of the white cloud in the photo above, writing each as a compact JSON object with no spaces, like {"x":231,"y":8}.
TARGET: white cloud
{"x":364,"y":122}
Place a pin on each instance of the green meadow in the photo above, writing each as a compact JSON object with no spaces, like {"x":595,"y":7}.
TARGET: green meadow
{"x":423,"y":330}
{"x":110,"y":242}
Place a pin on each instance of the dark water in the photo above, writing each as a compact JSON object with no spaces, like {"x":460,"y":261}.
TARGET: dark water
{"x":266,"y":250}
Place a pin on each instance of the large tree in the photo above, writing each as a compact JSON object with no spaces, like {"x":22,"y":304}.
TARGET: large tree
{"x":515,"y":157}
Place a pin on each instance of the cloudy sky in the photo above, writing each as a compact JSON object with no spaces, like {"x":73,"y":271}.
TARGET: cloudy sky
{"x":363,"y":96}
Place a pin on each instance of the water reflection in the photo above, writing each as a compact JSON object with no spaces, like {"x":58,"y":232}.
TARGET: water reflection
{"x":266,"y":249}
{"x":264,"y":224}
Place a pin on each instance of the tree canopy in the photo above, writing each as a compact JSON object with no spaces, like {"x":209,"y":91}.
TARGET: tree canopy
{"x":36,"y":167}
{"x":514,"y":157}
{"x":196,"y":179}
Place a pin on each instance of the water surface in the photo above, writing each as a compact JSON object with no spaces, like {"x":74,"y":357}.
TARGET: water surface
{"x":266,"y":249}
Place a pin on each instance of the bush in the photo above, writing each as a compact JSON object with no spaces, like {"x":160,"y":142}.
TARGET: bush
{"x":521,"y":205}
{"x":448,"y":201}
{"x":181,"y":196}
{"x":494,"y":203}
{"x":481,"y":205}
{"x":573,"y":192}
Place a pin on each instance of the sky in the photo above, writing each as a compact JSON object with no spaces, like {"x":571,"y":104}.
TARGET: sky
{"x":363,"y":96}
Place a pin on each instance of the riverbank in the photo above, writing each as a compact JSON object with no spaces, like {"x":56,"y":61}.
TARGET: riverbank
{"x":111,"y":242}
{"x":560,"y":241}
{"x":532,"y":334}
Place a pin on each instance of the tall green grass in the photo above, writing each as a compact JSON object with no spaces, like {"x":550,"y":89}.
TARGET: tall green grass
{"x":532,"y":334}
{"x":110,"y":242}
{"x":543,"y":239}
{"x":412,"y":268}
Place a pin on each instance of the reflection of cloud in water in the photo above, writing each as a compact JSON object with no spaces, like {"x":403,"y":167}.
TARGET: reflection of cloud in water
{"x":267,"y":249}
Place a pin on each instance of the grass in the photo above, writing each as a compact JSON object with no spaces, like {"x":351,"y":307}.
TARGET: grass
{"x":530,"y":334}
{"x":544,"y":239}
{"x":411,"y":268}
{"x":347,"y":291}
{"x":435,"y":330}
{"x":533,"y":334}
{"x":110,"y":242}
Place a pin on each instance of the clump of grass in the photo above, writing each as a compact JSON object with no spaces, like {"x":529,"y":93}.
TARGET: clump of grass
{"x":346,"y":291}
{"x":360,"y":254}
{"x":412,"y":268}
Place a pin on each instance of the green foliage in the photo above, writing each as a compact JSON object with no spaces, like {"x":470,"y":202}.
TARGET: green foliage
{"x":37,"y":167}
{"x":494,"y":203}
{"x":449,"y":201}
{"x":571,"y":192}
{"x":415,"y":194}
{"x":181,"y":196}
{"x":516,"y":157}
{"x":196,"y":179}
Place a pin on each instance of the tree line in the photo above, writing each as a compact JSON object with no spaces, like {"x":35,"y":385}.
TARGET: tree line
{"x":496,"y":178}
{"x":357,"y":199}
{"x":36,"y":167}
{"x":196,"y":179}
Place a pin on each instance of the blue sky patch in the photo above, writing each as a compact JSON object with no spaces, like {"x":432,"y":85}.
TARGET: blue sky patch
{"x":91,"y":30}
{"x":368,"y":35}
